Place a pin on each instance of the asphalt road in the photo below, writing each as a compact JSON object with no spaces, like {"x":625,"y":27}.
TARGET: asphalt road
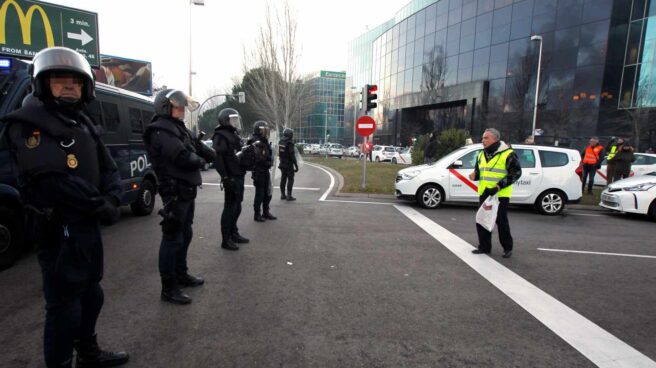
{"x":340,"y":284}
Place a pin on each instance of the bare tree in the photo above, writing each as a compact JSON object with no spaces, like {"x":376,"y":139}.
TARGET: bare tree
{"x":434,"y":72}
{"x":271,"y":78}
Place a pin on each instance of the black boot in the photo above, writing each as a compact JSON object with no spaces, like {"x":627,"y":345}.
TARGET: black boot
{"x":283,"y":196}
{"x":289,"y":197}
{"x":237,"y":238}
{"x":171,"y":292}
{"x":186,"y":280}
{"x":267,"y":215}
{"x":90,"y":355}
{"x":258,"y":217}
{"x":229,"y":244}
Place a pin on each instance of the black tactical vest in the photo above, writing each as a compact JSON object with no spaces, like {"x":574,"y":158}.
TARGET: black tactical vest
{"x":229,"y":134}
{"x":44,"y":141}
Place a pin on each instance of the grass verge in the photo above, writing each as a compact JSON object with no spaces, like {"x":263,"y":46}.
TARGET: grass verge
{"x":380,"y":175}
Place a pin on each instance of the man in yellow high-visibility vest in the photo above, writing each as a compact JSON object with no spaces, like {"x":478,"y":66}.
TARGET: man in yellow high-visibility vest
{"x":497,"y":168}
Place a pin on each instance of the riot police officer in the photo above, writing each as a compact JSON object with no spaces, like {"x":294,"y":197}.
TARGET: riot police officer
{"x":261,"y":175}
{"x":177,"y":158}
{"x":288,"y":165}
{"x":69,"y":183}
{"x":227,"y":144}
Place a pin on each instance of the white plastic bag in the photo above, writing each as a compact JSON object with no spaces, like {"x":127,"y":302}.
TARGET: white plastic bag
{"x":487,"y":213}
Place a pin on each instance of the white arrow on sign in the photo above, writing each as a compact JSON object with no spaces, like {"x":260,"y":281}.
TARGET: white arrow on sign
{"x":82,"y":36}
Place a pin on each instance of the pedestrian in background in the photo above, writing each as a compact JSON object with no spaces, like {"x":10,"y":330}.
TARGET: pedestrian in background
{"x":592,"y":156}
{"x":497,"y":169}
{"x":70,"y":182}
{"x":622,"y":161}
{"x":611,"y":150}
{"x":288,"y":165}
{"x":430,"y":150}
{"x":177,"y":159}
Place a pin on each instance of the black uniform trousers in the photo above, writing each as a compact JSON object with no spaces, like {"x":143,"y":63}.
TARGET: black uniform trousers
{"x":286,"y":180}
{"x":588,"y":175}
{"x":175,"y":244}
{"x":261,"y":181}
{"x":71,"y":269}
{"x":503,"y":226}
{"x":232,"y":208}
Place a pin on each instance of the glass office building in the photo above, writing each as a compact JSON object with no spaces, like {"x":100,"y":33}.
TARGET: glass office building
{"x":323,"y":116}
{"x":471,"y":64}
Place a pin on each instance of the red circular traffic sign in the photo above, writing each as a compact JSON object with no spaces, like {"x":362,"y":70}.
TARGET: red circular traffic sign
{"x":365,"y":126}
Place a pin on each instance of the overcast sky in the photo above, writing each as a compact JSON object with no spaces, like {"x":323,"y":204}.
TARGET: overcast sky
{"x":158,"y":31}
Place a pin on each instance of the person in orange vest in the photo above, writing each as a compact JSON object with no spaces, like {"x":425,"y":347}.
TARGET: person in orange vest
{"x":592,"y":157}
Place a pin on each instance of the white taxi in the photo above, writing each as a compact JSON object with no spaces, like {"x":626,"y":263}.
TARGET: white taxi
{"x":548,"y":181}
{"x":644,"y":163}
{"x":636,"y":194}
{"x":403,"y":156}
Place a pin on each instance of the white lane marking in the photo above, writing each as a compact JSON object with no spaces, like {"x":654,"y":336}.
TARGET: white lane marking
{"x":332,"y":182}
{"x":596,"y":253}
{"x":250,"y":186}
{"x":595,"y":343}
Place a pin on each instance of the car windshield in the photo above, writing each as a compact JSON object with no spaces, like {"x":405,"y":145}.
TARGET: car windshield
{"x":449,"y":156}
{"x":389,"y":149}
{"x":405,"y":150}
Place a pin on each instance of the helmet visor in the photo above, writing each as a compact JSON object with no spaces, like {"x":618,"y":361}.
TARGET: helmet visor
{"x":180,"y":99}
{"x":264,"y":132}
{"x":235,"y":121}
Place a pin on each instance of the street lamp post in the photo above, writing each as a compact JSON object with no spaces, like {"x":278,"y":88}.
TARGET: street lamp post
{"x":537,"y":86}
{"x":191,"y":4}
{"x":325,"y":132}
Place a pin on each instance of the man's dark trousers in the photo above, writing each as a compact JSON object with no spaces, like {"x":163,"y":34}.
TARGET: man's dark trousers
{"x":503,"y":226}
{"x":588,"y":175}
{"x":174,"y":246}
{"x":71,"y":271}
{"x":286,"y":180}
{"x":261,"y":181}
{"x":232,"y":208}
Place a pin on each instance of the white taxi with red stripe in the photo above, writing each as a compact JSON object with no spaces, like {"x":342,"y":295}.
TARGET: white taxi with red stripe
{"x":403,"y":157}
{"x":644,"y":163}
{"x":549,"y":179}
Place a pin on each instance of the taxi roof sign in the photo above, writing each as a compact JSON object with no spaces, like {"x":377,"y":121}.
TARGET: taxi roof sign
{"x":26,"y":27}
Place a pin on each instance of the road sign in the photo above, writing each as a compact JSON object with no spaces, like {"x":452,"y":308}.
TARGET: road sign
{"x":29,"y":26}
{"x":365,"y":126}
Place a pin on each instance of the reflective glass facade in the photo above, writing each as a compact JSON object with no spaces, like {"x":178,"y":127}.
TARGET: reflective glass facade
{"x":325,"y":108}
{"x":471,"y":64}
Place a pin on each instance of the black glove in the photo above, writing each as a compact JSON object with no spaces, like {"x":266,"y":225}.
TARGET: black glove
{"x":229,"y":184}
{"x":201,"y":162}
{"x":295,"y":168}
{"x":491,"y":191}
{"x":107,"y":211}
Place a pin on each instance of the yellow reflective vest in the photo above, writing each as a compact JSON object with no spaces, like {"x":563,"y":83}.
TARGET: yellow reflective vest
{"x":493,"y":172}
{"x":612,"y":152}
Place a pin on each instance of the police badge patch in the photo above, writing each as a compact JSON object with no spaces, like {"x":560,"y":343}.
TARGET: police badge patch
{"x":34,"y":140}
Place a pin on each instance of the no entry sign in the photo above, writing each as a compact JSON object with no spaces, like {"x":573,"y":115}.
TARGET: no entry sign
{"x":365,"y":126}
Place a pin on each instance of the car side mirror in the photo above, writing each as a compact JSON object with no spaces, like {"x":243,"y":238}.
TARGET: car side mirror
{"x":456,"y":165}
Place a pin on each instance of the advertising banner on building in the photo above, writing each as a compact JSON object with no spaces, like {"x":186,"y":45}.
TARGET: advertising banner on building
{"x":133,"y":75}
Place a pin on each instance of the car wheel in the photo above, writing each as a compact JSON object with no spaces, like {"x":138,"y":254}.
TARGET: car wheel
{"x":430,"y":196}
{"x":550,"y":203}
{"x":377,"y":159}
{"x":652,"y":211}
{"x":145,"y":199}
{"x":394,"y":160}
{"x":10,"y":238}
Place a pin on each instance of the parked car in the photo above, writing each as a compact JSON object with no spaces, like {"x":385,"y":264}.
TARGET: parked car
{"x":403,"y":157}
{"x":644,"y":163}
{"x":632,"y":195}
{"x":384,"y":153}
{"x":352,"y":151}
{"x":335,"y":150}
{"x":314,"y":149}
{"x":548,"y":180}
{"x":322,"y":149}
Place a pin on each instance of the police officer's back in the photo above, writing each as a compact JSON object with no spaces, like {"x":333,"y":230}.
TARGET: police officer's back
{"x":69,"y":183}
{"x":288,"y":165}
{"x":177,"y":158}
{"x":227,"y":144}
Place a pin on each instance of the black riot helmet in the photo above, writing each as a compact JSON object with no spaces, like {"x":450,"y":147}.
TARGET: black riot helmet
{"x":288,"y":133}
{"x":61,"y":60}
{"x":261,"y":128}
{"x":169,"y":98}
{"x":229,"y":117}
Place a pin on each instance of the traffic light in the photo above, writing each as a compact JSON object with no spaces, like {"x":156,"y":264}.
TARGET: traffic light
{"x":371,"y":90}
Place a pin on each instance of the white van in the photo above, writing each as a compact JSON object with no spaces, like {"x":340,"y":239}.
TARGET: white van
{"x":548,"y":180}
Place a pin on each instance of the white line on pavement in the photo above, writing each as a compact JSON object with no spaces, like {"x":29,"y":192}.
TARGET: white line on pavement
{"x":597,"y":253}
{"x":598,"y":345}
{"x":250,"y":186}
{"x":332,"y":182}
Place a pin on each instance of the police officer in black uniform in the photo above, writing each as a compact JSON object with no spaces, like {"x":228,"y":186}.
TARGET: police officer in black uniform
{"x":69,"y":183}
{"x":288,"y":165}
{"x":227,"y":144}
{"x":261,"y":175}
{"x":177,"y":159}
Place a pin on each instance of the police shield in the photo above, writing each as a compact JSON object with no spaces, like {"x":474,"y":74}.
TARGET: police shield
{"x":274,"y":151}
